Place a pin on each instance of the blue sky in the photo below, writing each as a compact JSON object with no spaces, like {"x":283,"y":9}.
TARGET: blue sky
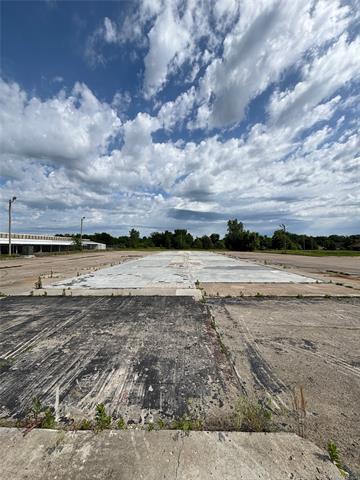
{"x":166,"y":114}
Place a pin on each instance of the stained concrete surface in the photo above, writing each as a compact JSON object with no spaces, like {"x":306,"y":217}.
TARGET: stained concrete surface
{"x":143,"y":357}
{"x":279,"y":345}
{"x":181,"y":269}
{"x":135,"y":455}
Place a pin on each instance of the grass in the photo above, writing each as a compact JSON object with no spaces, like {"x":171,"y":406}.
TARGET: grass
{"x":335,"y":457}
{"x":250,"y":416}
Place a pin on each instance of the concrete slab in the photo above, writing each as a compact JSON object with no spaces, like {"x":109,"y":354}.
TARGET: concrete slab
{"x":143,"y":357}
{"x":135,"y":455}
{"x":279,"y":345}
{"x":277,"y":290}
{"x":181,"y":270}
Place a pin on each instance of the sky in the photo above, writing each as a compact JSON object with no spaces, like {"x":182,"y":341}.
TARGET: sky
{"x":160,"y":114}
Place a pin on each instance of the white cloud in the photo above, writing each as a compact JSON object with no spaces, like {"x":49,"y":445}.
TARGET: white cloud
{"x":269,"y":38}
{"x":110,"y":33}
{"x":61,"y":130}
{"x":321,"y":78}
{"x":167,"y":39}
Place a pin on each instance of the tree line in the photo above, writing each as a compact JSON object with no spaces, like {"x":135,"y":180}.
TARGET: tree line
{"x":236,"y":238}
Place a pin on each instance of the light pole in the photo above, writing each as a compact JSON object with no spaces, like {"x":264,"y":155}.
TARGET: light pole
{"x":11,"y":201}
{"x":81,"y":230}
{"x":283,"y":228}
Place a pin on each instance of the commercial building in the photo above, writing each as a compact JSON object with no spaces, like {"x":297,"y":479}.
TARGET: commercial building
{"x":28,"y":244}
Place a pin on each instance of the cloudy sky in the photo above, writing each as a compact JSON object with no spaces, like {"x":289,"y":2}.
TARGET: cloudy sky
{"x":166,"y":114}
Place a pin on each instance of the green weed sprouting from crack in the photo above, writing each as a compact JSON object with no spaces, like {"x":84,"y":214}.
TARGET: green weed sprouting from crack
{"x":187,"y":424}
{"x":121,"y":425}
{"x":49,"y":419}
{"x":85,"y":424}
{"x":251,"y":416}
{"x":335,"y":457}
{"x":102,"y":420}
{"x":161,"y":424}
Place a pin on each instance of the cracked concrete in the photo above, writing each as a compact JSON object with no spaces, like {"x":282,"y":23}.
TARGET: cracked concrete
{"x":135,"y":455}
{"x":179,"y":270}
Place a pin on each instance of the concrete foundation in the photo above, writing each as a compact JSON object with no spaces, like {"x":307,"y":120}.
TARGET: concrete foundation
{"x":135,"y":455}
{"x":181,"y":270}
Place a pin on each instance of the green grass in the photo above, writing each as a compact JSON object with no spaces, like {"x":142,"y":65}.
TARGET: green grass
{"x":316,"y":253}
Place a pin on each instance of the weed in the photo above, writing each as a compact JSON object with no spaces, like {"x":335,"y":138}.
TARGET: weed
{"x":102,"y":420}
{"x":49,"y":419}
{"x":251,"y":416}
{"x":121,"y":425}
{"x":258,"y":294}
{"x":299,"y":295}
{"x":223,"y":348}
{"x":51,"y":274}
{"x":161,"y":424}
{"x":197,"y":284}
{"x":327,"y":296}
{"x":45,"y":293}
{"x":150,"y":427}
{"x":299,"y":404}
{"x":186,"y":424}
{"x":63,"y":292}
{"x":38,"y":283}
{"x":335,"y":457}
{"x":85,"y":424}
{"x":2,"y":294}
{"x":36,"y":408}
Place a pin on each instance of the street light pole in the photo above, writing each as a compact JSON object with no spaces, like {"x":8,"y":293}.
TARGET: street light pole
{"x":11,"y":201}
{"x":283,"y":227}
{"x":81,"y":230}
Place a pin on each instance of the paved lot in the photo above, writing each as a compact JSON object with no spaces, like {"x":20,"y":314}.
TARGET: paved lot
{"x":181,"y":270}
{"x":279,"y":345}
{"x":143,"y":357}
{"x":18,"y":276}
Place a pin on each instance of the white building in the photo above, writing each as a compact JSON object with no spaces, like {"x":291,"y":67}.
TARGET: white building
{"x":27,"y":244}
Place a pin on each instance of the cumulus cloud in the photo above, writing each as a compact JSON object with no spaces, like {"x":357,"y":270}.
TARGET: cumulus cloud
{"x":61,"y":130}
{"x":204,"y":63}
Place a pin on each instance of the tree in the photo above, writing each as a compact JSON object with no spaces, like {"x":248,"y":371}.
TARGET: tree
{"x":76,"y":243}
{"x":239,"y":239}
{"x":134,"y":238}
{"x":206,"y":242}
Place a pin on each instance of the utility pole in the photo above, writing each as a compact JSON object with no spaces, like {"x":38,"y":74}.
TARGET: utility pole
{"x":81,"y":230}
{"x":283,"y":228}
{"x":11,"y":201}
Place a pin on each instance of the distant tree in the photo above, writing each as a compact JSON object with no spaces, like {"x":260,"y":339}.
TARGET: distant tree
{"x":239,"y":239}
{"x":182,"y":239}
{"x":197,"y":243}
{"x":76,"y":243}
{"x":215,"y":239}
{"x":206,"y":242}
{"x":134,"y":238}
